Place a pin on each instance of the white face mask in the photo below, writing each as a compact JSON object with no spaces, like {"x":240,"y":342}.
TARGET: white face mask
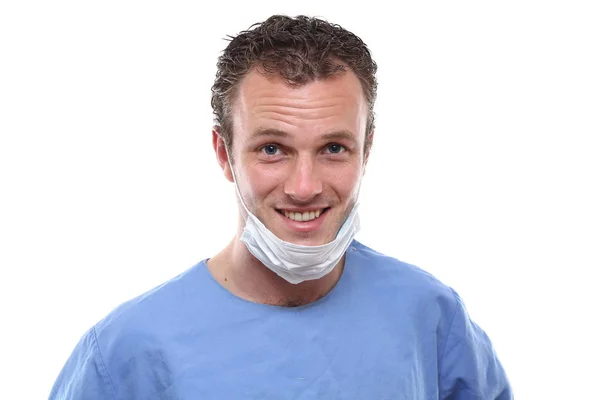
{"x":293,"y":262}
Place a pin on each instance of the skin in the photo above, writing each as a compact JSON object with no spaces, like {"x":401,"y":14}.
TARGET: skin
{"x":295,"y":149}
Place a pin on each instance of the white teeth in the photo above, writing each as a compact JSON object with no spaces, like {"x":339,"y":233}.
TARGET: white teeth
{"x":305,"y":216}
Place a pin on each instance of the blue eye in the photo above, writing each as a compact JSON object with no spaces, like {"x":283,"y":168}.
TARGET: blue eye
{"x":335,"y":148}
{"x":270,"y":149}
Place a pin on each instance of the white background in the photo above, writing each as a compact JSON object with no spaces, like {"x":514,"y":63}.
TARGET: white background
{"x":484,"y":169}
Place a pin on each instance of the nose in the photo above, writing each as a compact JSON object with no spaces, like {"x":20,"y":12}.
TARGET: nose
{"x":303,"y":182}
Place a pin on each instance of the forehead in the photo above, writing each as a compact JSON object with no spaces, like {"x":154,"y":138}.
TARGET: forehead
{"x":269,"y":102}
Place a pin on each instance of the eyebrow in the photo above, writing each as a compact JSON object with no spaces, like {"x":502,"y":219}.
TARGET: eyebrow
{"x":337,"y":135}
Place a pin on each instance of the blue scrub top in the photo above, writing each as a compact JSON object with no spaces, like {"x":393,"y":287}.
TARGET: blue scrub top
{"x":387,"y":330}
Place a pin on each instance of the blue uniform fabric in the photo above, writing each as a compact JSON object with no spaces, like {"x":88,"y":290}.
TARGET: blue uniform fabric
{"x":387,"y":330}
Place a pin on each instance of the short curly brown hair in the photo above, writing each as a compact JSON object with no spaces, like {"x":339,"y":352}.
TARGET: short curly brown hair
{"x":300,"y":50}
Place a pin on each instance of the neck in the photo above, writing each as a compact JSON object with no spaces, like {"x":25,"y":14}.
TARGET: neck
{"x":238,"y":271}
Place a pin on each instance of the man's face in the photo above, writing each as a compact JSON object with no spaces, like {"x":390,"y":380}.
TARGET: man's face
{"x":299,"y":153}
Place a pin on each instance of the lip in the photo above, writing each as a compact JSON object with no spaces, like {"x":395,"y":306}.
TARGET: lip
{"x":308,"y":226}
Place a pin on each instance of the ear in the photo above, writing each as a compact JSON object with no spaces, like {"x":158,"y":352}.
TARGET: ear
{"x":221,"y":153}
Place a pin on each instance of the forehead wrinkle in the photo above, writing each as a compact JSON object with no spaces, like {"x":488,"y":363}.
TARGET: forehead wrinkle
{"x":309,"y":110}
{"x":302,"y":103}
{"x":260,"y":107}
{"x":294,"y":122}
{"x":293,"y":113}
{"x":278,"y":118}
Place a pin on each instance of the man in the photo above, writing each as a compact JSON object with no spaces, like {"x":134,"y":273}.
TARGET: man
{"x":293,"y":307}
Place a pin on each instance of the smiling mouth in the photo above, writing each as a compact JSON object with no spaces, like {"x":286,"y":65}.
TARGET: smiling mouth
{"x":304,"y":216}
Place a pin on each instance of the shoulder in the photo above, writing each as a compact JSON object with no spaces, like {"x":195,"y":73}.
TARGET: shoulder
{"x":130,"y":345}
{"x":146,"y":320}
{"x":400,"y":278}
{"x":468,"y":364}
{"x":84,"y":374}
{"x":158,"y":302}
{"x":401,"y":293}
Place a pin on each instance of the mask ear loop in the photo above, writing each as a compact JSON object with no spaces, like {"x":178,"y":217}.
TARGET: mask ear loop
{"x":237,"y":189}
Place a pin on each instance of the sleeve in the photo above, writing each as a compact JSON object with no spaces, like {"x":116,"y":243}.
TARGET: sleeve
{"x":84,"y":376}
{"x":469,"y":368}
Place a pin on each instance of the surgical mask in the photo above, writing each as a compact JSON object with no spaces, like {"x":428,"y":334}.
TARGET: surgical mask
{"x":293,"y":262}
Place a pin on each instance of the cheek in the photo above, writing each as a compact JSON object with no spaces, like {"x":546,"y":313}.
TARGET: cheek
{"x":260,"y":182}
{"x":345,"y":181}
